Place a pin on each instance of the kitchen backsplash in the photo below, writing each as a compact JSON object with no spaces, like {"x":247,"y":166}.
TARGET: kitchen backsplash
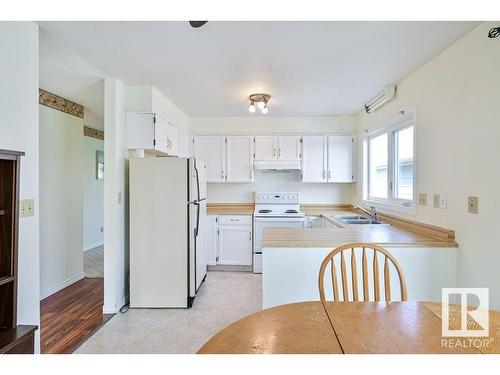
{"x":310,"y":193}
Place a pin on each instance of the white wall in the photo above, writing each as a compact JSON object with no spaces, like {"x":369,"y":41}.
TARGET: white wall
{"x":19,"y":131}
{"x":457,"y":98}
{"x":61,"y":200}
{"x":286,"y":181}
{"x":115,"y":198}
{"x":93,"y":195}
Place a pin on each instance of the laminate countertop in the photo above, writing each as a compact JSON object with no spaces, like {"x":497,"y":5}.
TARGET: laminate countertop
{"x":230,"y":208}
{"x":399,"y":232}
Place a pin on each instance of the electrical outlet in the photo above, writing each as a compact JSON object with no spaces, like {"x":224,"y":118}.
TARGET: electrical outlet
{"x":472,"y":205}
{"x":435,"y":201}
{"x":27,"y":207}
{"x":422,"y":199}
{"x":443,"y":201}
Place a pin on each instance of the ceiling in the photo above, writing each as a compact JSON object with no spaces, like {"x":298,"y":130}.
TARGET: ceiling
{"x":308,"y":68}
{"x":66,"y":74}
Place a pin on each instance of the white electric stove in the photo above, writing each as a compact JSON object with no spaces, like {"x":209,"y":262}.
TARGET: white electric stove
{"x":274,"y":210}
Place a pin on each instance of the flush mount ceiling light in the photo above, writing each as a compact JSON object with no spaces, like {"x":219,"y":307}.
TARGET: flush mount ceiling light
{"x":259,"y":101}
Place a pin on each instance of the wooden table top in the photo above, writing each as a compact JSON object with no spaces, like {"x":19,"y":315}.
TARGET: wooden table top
{"x":336,"y":328}
{"x":293,"y":329}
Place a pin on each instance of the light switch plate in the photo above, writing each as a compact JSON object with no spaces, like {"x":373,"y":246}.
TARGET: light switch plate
{"x":443,"y":201}
{"x":422,"y":199}
{"x":435,"y":201}
{"x":27,"y":208}
{"x":472,"y":205}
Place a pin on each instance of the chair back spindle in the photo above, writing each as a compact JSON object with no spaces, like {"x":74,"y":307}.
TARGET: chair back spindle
{"x":339,"y":252}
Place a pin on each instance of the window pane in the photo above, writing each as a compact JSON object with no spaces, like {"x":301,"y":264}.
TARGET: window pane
{"x":378,"y":166}
{"x":404,"y":163}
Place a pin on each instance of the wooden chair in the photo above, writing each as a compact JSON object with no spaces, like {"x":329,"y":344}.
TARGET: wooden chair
{"x":354,"y":271}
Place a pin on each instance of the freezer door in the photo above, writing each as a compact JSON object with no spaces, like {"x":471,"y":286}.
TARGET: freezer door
{"x":198,"y":180}
{"x":201,"y":166}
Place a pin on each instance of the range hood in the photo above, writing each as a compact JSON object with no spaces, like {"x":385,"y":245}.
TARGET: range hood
{"x":277,"y":165}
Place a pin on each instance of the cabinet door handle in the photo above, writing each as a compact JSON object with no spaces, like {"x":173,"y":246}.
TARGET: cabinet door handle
{"x":251,"y":174}
{"x":234,"y":219}
{"x":250,"y":236}
{"x":329,"y":174}
{"x":280,"y":152}
{"x":274,"y":153}
{"x":222,"y":174}
{"x":323,"y":174}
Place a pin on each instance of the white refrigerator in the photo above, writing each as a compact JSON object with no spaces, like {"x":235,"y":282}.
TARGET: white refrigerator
{"x":168,"y":254}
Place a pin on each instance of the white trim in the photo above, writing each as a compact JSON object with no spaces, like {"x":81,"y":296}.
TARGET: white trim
{"x":391,"y":125}
{"x":61,"y":285}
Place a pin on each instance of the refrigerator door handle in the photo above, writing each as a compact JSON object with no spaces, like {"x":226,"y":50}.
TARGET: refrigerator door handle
{"x":197,"y":182}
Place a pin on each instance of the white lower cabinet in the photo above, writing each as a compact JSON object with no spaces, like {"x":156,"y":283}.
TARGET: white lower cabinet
{"x":315,"y":221}
{"x":327,"y":224}
{"x":230,"y":240}
{"x":235,"y":245}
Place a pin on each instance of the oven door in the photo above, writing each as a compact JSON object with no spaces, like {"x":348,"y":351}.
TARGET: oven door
{"x":270,"y":222}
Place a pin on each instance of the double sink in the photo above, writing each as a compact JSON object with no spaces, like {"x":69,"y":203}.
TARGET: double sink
{"x":356,"y":219}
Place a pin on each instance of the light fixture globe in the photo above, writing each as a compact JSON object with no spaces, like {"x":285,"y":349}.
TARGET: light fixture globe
{"x":260,"y":101}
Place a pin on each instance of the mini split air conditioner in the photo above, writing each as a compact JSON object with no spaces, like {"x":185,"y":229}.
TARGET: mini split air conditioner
{"x":386,"y":95}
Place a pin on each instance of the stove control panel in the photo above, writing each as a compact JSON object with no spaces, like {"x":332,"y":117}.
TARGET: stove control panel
{"x":276,"y":198}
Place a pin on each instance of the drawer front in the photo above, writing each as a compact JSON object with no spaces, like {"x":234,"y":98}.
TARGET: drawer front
{"x":235,"y":220}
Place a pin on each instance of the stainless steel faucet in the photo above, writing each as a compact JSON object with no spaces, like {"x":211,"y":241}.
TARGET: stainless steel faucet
{"x":372,"y":213}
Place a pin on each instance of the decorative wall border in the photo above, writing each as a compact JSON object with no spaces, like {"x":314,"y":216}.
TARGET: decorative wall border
{"x":94,"y":133}
{"x":59,"y":103}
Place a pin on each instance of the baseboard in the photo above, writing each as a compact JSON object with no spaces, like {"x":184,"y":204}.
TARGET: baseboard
{"x":229,"y":268}
{"x":93,"y":246}
{"x":61,"y":285}
{"x":115,"y":309}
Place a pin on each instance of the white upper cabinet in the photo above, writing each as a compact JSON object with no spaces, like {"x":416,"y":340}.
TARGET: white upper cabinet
{"x":211,"y":149}
{"x":314,"y":158}
{"x":145,"y":132}
{"x":340,"y":158}
{"x":265,"y":147}
{"x":239,"y":158}
{"x":277,"y":147}
{"x":172,"y":139}
{"x":183,"y":143}
{"x":288,"y":147}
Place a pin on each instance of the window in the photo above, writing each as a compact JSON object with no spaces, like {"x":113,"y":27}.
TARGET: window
{"x":390,"y":164}
{"x":378,"y":166}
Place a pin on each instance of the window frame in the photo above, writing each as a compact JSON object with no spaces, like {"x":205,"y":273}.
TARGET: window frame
{"x":404,"y":120}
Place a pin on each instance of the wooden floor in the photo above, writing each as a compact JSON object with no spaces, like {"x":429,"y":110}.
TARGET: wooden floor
{"x":69,"y":316}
